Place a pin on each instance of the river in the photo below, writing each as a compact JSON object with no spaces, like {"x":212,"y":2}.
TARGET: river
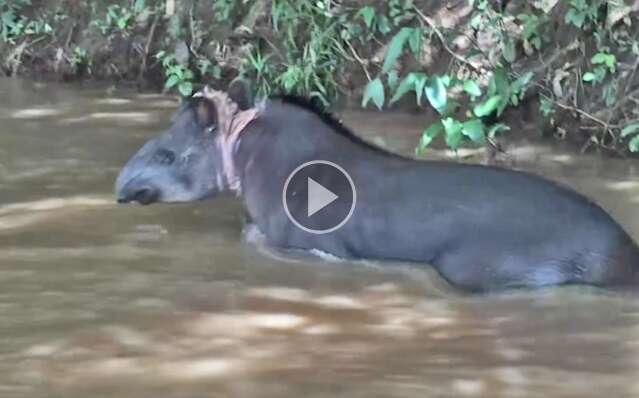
{"x":103,"y":300}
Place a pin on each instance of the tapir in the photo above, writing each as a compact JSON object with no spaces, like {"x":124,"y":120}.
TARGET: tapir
{"x":483,"y":228}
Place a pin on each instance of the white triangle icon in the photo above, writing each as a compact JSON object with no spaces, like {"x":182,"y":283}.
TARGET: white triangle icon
{"x":318,"y":197}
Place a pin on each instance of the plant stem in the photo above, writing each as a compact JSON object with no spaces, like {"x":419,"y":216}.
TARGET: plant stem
{"x":359,"y":60}
{"x":439,"y":34}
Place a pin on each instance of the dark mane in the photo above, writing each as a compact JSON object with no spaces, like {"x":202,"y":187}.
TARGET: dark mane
{"x":337,"y":126}
{"x":316,"y":108}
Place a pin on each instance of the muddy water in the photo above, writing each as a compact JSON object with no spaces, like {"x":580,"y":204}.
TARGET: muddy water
{"x":170,"y":301}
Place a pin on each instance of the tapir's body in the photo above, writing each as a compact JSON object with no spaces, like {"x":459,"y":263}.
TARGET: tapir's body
{"x":482,"y":228}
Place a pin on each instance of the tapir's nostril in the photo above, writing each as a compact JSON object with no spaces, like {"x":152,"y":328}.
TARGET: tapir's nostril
{"x":144,"y":195}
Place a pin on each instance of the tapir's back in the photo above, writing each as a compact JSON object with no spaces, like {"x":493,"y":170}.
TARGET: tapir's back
{"x":498,"y":228}
{"x":483,"y":228}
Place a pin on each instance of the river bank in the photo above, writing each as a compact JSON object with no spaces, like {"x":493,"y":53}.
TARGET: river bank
{"x":477,"y":71}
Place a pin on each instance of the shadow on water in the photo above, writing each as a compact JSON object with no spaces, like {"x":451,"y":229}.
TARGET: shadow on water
{"x":169,"y":301}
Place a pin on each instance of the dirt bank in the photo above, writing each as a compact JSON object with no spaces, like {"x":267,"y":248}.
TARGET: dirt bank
{"x":579,"y":59}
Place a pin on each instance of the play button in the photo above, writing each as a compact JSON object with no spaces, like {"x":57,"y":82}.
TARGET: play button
{"x":319,"y":197}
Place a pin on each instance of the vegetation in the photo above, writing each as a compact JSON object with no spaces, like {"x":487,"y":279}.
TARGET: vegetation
{"x":14,"y":26}
{"x":577,"y":60}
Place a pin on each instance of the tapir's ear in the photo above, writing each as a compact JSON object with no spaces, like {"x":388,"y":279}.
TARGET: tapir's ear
{"x":205,"y":112}
{"x":240,"y":92}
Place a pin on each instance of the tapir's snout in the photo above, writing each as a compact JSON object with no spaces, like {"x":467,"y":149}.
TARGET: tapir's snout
{"x":144,"y":194}
{"x":136,"y":183}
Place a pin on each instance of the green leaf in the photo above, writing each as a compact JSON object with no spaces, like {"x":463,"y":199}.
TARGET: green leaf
{"x":487,"y":107}
{"x":521,"y":82}
{"x":536,"y":42}
{"x":185,"y":88}
{"x":633,"y":145}
{"x":396,"y":47}
{"x":509,"y":51}
{"x":138,"y":6}
{"x":632,"y":128}
{"x":122,"y":22}
{"x":171,"y":81}
{"x":504,"y":103}
{"x":498,"y":84}
{"x":546,"y":107}
{"x":472,"y":88}
{"x":589,"y":76}
{"x":497,"y":128}
{"x":598,"y":58}
{"x":368,"y":14}
{"x":474,"y":129}
{"x":420,"y":82}
{"x":610,"y":94}
{"x":167,"y":60}
{"x":476,"y":20}
{"x":575,"y":17}
{"x":453,"y":130}
{"x":374,"y":91}
{"x":404,"y":87}
{"x":276,"y":12}
{"x":436,"y":93}
{"x":392,"y":79}
{"x":428,"y":136}
{"x":383,"y":25}
{"x":610,"y":60}
{"x":415,"y":41}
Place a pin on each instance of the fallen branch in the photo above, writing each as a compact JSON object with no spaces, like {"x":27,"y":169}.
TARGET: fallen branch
{"x":546,"y":64}
{"x":621,"y":102}
{"x":579,"y":111}
{"x":604,"y":126}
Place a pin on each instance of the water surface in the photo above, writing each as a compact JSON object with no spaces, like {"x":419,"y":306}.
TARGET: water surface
{"x":170,"y":301}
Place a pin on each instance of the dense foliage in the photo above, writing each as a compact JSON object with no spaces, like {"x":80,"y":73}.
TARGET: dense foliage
{"x":469,"y":62}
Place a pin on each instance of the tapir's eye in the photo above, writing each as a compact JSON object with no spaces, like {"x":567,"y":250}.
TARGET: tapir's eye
{"x":211,"y":130}
{"x":164,"y":156}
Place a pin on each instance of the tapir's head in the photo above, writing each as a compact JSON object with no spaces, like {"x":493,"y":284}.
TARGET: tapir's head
{"x":183,"y":164}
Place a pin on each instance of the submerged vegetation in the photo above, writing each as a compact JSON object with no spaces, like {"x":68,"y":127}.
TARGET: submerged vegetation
{"x":466,"y":62}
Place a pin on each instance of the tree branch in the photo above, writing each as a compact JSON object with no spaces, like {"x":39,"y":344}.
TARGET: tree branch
{"x":147,"y":47}
{"x":579,"y":111}
{"x":442,"y":39}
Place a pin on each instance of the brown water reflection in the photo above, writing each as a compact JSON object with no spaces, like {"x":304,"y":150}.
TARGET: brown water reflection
{"x":169,"y":301}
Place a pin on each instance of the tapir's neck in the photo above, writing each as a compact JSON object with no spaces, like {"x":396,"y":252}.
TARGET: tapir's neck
{"x":284,"y":136}
{"x":231,"y":124}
